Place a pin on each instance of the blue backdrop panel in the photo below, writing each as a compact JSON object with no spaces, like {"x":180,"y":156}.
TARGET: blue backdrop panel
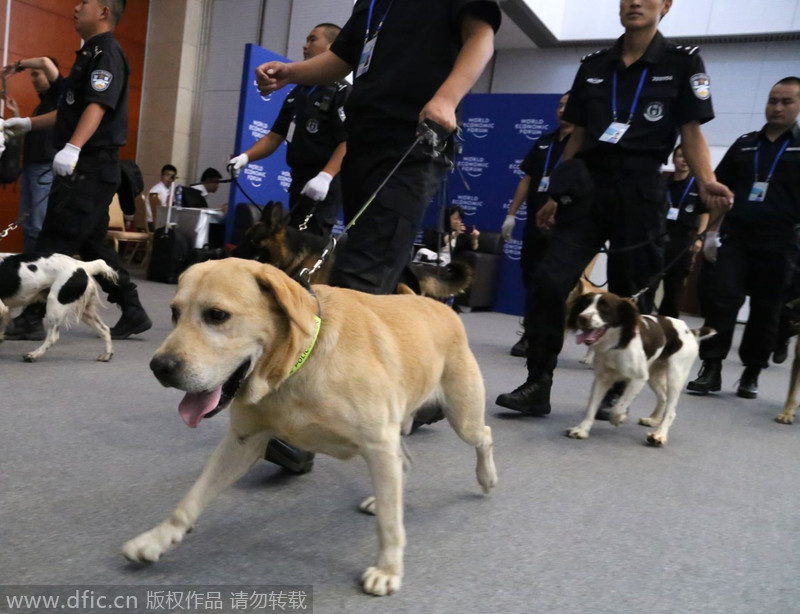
{"x":498,"y":132}
{"x":267,"y":179}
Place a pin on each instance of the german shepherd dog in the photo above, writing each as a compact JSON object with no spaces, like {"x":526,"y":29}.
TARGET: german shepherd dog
{"x":272,"y":241}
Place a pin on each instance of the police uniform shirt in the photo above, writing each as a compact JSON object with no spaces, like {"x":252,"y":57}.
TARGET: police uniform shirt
{"x":99,"y":75}
{"x":538,"y":163}
{"x":414,"y":53}
{"x":689,"y":206}
{"x":781,"y":206}
{"x":38,"y":145}
{"x":318,"y":116}
{"x":675,"y":91}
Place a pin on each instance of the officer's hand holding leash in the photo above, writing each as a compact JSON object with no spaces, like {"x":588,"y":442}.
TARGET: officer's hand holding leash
{"x":272,"y":76}
{"x":65,"y":161}
{"x":546,"y":216}
{"x":507,"y":229}
{"x":237,"y":163}
{"x":317,"y":188}
{"x":441,"y":112}
{"x":716,"y":196}
{"x":17,"y":125}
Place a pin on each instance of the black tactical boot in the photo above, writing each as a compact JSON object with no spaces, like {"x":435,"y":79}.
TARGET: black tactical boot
{"x":709,"y":379}
{"x":748,"y":384}
{"x":781,"y":351}
{"x":287,"y":456}
{"x":134,"y":320}
{"x":609,"y":401}
{"x":532,"y":398}
{"x":520,"y":348}
{"x":27,"y":326}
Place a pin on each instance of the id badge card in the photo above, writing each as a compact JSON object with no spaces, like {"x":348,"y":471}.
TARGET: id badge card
{"x":290,"y":132}
{"x":614,"y":133}
{"x":544,"y":184}
{"x":758,"y":192}
{"x":366,"y":56}
{"x":672,"y":213}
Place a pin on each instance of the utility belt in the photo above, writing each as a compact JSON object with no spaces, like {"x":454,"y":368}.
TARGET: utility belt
{"x":606,"y":161}
{"x":100,"y":153}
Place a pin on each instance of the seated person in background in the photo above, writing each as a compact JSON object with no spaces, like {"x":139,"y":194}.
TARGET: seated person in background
{"x":209,"y":184}
{"x":686,"y":219}
{"x":158,"y":196}
{"x":456,"y":239}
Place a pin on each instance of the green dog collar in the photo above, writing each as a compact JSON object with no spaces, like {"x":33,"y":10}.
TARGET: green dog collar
{"x":307,"y":352}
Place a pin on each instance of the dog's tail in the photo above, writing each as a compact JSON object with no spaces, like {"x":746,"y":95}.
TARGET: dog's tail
{"x":100,"y":268}
{"x":703,"y":333}
{"x":444,"y":282}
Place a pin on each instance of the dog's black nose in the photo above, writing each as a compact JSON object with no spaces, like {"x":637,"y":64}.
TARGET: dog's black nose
{"x":166,"y":368}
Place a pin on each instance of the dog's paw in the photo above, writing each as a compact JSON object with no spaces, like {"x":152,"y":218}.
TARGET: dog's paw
{"x":616,"y":418}
{"x":380,"y":583}
{"x":578,"y":432}
{"x":656,"y":440}
{"x":587,"y":360}
{"x":648,"y":421}
{"x":368,"y":506}
{"x":784,"y":418}
{"x":149,"y":546}
{"x":105,"y":357}
{"x":30,"y":357}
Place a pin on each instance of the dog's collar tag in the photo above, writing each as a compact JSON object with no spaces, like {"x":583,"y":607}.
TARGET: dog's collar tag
{"x":307,"y":352}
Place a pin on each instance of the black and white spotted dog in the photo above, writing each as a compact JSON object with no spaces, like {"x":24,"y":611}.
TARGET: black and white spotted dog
{"x":635,"y":349}
{"x":64,"y":284}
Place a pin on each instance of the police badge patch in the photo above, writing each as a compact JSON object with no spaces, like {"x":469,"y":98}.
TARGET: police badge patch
{"x":101,"y":79}
{"x":312,"y":125}
{"x":654,"y":111}
{"x":701,"y":85}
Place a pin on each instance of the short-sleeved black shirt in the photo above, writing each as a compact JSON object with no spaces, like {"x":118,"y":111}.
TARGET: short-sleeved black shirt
{"x":414,"y":53}
{"x":737,"y":170}
{"x":540,"y":161}
{"x":684,"y":195}
{"x":676,"y":90}
{"x":100,"y":75}
{"x":38,"y":145}
{"x":318,"y":115}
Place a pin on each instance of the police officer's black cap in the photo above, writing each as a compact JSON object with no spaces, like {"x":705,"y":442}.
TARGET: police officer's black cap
{"x":571,"y":186}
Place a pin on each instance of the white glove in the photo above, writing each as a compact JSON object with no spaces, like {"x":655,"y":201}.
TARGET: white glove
{"x":237,"y":163}
{"x":66,"y":159}
{"x":710,"y":246}
{"x":317,"y":188}
{"x":508,"y":227}
{"x":18,"y":125}
{"x":2,"y":137}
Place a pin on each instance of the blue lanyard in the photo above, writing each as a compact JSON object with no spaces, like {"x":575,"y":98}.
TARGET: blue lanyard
{"x":547,"y":159}
{"x":774,"y":163}
{"x":635,"y":98}
{"x":369,"y":20}
{"x":685,"y":192}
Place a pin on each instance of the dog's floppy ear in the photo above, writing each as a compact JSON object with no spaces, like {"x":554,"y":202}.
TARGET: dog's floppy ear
{"x":628,"y":320}
{"x":296,"y":333}
{"x":575,"y":308}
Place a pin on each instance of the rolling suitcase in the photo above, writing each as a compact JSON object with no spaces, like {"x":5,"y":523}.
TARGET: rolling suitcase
{"x":170,"y":255}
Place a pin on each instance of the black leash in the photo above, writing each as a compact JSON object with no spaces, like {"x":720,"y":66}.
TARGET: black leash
{"x":20,"y":219}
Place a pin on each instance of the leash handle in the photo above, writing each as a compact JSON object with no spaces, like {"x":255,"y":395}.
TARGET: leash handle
{"x":306,"y":272}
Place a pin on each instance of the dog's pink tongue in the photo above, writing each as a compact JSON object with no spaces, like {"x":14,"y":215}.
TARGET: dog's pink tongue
{"x":582,"y":336}
{"x":195,"y":405}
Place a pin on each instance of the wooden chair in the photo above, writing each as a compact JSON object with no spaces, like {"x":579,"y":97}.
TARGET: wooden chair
{"x":141,"y":237}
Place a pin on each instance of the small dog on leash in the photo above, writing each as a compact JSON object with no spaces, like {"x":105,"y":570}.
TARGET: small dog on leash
{"x":272,"y":241}
{"x":64,"y":284}
{"x":635,"y":349}
{"x":584,"y":286}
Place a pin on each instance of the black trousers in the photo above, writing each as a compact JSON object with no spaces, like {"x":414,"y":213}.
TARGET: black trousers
{"x":678,"y":255}
{"x":325,"y":212}
{"x":628,"y":209}
{"x":378,"y":246}
{"x":754,"y":262}
{"x":77,"y":220}
{"x":534,"y":246}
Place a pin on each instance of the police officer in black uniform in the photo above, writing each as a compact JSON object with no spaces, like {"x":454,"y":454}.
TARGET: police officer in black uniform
{"x":91,"y":124}
{"x":311,"y":121}
{"x":686,"y":219}
{"x":627,"y":103}
{"x":758,"y":241}
{"x":404,"y":54}
{"x":543,"y":157}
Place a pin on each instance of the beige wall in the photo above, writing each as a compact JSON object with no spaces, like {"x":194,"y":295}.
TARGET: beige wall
{"x":175,"y":49}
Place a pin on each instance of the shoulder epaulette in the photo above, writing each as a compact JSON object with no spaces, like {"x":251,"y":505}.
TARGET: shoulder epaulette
{"x":748,"y":135}
{"x":597,"y":53}
{"x":684,"y":49}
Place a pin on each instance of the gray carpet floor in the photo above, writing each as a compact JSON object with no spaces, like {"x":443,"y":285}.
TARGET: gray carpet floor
{"x":93,"y":454}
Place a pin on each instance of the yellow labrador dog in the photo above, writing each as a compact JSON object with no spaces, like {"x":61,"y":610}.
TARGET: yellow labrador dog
{"x":341,"y":374}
